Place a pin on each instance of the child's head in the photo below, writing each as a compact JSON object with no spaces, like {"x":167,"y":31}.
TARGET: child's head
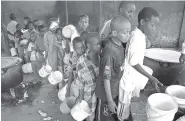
{"x":36,"y":24}
{"x":93,"y":42}
{"x":26,"y":20}
{"x":33,"y":36}
{"x":120,"y":28}
{"x":79,"y":46}
{"x":83,"y":22}
{"x":148,"y":18}
{"x":83,"y":35}
{"x":18,"y":27}
{"x":30,"y":26}
{"x":12,"y":17}
{"x":127,"y":9}
{"x":59,"y":33}
{"x":41,"y":29}
{"x":18,"y":35}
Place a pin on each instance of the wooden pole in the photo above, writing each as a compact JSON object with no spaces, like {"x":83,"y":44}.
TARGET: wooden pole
{"x":66,"y":12}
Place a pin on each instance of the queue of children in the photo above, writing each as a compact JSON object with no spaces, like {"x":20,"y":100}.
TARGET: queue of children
{"x":96,"y":68}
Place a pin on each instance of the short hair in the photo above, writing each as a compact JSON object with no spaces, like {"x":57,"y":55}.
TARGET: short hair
{"x":59,"y":29}
{"x":84,"y":34}
{"x":77,"y":40}
{"x":83,"y":16}
{"x":12,"y":16}
{"x":27,"y":18}
{"x":147,"y":13}
{"x":17,"y":25}
{"x":90,"y":36}
{"x":41,"y":27}
{"x":18,"y":32}
{"x":123,"y":3}
{"x":30,"y":22}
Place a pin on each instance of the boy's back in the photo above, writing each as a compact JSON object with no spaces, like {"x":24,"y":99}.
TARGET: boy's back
{"x":112,"y":58}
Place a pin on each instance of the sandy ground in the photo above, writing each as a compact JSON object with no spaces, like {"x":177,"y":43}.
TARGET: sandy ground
{"x":40,"y":97}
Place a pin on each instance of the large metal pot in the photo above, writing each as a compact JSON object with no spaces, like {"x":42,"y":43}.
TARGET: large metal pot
{"x":167,"y":71}
{"x":11,"y":72}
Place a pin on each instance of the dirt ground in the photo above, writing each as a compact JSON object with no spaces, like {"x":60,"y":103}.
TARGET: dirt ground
{"x":41,"y":97}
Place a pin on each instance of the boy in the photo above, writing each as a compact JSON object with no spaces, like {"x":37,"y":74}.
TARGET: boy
{"x":31,"y":28}
{"x":83,"y":24}
{"x":126,"y":9}
{"x":87,"y":70}
{"x":79,"y":49}
{"x":148,"y":18}
{"x":112,"y":59}
{"x":26,"y":21}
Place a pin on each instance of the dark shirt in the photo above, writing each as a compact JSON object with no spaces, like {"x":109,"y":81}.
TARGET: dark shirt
{"x":112,"y":58}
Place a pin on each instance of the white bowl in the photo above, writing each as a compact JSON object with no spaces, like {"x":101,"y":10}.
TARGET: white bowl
{"x":178,"y":92}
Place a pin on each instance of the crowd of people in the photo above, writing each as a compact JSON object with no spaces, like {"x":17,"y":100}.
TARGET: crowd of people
{"x":97,"y":67}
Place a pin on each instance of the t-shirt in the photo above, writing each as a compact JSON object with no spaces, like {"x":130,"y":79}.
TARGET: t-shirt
{"x":112,"y":59}
{"x":39,"y":43}
{"x":11,"y":27}
{"x":135,"y":52}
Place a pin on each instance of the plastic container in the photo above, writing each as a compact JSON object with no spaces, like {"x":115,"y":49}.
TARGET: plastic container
{"x":80,"y":111}
{"x":45,"y":70}
{"x":178,"y":92}
{"x":13,"y":52}
{"x":67,"y":32}
{"x":67,"y":105}
{"x":27,"y":68}
{"x":161,"y":107}
{"x":55,"y":77}
{"x":62,"y":93}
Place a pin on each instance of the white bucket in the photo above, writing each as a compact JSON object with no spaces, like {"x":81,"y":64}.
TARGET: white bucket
{"x":81,"y":111}
{"x":67,"y":32}
{"x":13,"y":51}
{"x":45,"y":71}
{"x":62,"y":93}
{"x":161,"y":107}
{"x":27,"y":68}
{"x":67,"y":105}
{"x":55,"y":77}
{"x":178,"y":92}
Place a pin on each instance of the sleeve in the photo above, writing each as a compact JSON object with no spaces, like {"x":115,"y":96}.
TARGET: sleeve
{"x":183,"y":47}
{"x":105,"y":31}
{"x":136,"y":51}
{"x":107,"y":63}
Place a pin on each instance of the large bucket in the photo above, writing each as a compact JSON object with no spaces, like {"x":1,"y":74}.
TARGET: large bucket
{"x":80,"y":111}
{"x":13,"y":52}
{"x":55,"y":77}
{"x":27,"y":68}
{"x":62,"y":93}
{"x":67,"y":105}
{"x":178,"y":92}
{"x":45,"y":71}
{"x":161,"y":107}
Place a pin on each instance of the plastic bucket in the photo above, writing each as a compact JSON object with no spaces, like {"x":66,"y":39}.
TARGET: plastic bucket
{"x":67,"y":32}
{"x":62,"y":93}
{"x":161,"y":107}
{"x":178,"y":92}
{"x":27,"y":68}
{"x":67,"y":105}
{"x":55,"y":77}
{"x":80,"y":111}
{"x":45,"y":71}
{"x":13,"y":52}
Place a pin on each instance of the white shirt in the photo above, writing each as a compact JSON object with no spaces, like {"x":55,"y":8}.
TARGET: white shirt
{"x":183,"y":47}
{"x":11,"y":27}
{"x":135,"y":52}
